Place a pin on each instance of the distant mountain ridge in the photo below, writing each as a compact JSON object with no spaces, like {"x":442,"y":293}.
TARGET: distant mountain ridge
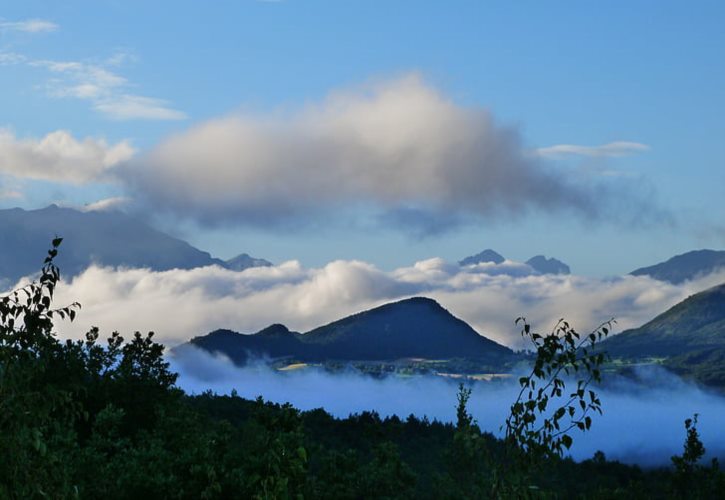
{"x":685,"y":267}
{"x":548,"y":266}
{"x":412,"y":328}
{"x":487,"y":255}
{"x":109,"y":238}
{"x":538,"y":263}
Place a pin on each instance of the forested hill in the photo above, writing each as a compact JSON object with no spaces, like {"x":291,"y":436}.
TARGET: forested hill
{"x":696,"y":323}
{"x":688,"y":339}
{"x":413,"y":328}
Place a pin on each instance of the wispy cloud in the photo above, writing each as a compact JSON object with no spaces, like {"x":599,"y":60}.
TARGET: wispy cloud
{"x":610,"y":150}
{"x":29,"y":26}
{"x":60,"y":157}
{"x":106,"y":204}
{"x":11,"y":58}
{"x":10,"y":194}
{"x":129,"y":107}
{"x":99,"y":83}
{"x":105,"y":89}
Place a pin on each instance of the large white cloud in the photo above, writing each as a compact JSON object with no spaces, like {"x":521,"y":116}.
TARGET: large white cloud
{"x":400,"y":146}
{"x":180,"y":304}
{"x":60,"y":157}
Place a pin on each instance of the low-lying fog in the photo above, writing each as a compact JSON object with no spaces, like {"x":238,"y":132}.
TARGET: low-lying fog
{"x":643,"y":421}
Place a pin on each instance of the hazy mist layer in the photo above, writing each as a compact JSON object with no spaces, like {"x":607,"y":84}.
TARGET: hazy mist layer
{"x":642,"y":422}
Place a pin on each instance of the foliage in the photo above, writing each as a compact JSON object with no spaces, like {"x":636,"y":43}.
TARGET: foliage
{"x":531,"y":426}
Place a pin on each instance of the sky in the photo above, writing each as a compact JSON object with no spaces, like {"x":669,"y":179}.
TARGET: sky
{"x":387,"y":132}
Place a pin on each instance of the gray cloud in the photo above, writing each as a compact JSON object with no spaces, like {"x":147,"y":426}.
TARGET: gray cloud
{"x":392,"y":146}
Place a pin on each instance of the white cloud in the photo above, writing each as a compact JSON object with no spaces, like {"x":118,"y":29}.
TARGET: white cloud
{"x":399,"y":146}
{"x":181,"y":304}
{"x":60,"y":157}
{"x":29,"y":26}
{"x":612,"y":149}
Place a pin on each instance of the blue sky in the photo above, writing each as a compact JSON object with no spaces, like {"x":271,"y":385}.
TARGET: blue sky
{"x":645,"y":78}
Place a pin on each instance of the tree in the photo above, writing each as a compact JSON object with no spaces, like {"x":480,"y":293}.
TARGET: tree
{"x":690,"y":479}
{"x":37,"y":410}
{"x":536,"y":431}
{"x":58,"y":399}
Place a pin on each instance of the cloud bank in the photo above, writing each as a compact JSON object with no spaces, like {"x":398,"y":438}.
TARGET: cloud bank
{"x":181,"y":304}
{"x":398,"y":146}
{"x":60,"y":157}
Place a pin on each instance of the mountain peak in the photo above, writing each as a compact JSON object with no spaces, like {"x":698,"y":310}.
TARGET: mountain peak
{"x":416,"y":327}
{"x":245,"y":261}
{"x":487,"y":255}
{"x":548,"y":266}
{"x":276,"y":329}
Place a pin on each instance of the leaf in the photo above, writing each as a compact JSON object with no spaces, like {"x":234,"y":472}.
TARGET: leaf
{"x":566,"y":440}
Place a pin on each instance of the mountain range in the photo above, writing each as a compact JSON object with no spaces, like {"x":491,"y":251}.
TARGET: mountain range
{"x":689,"y":339}
{"x":418,"y":327}
{"x":113,"y":238}
{"x":109,"y":238}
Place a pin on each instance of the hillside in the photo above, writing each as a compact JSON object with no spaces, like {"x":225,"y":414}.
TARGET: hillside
{"x":413,"y":328}
{"x":684,"y":267}
{"x":696,"y":323}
